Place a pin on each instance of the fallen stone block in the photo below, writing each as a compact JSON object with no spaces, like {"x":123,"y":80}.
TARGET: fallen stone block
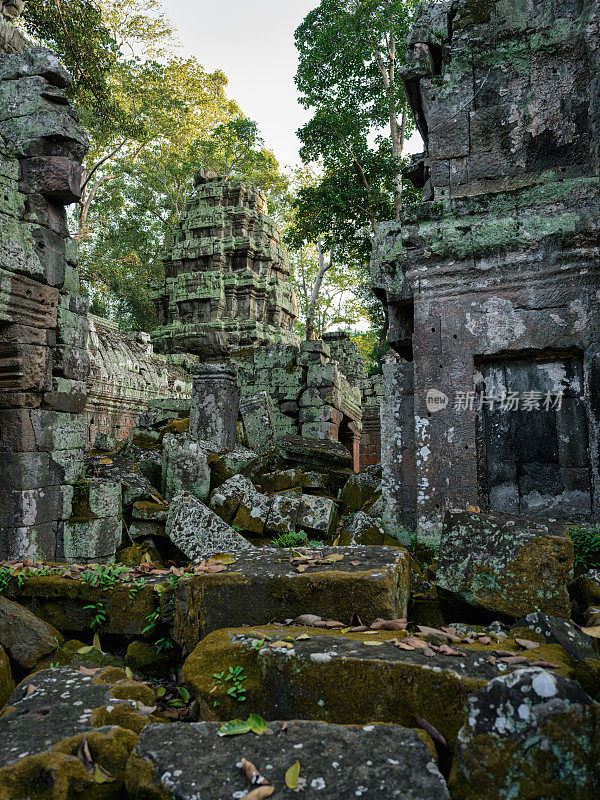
{"x":198,"y":532}
{"x":7,"y":684}
{"x":280,"y":480}
{"x":48,"y":718}
{"x":317,"y":515}
{"x":237,"y":502}
{"x":303,"y":673}
{"x":362,"y":529}
{"x":25,"y":637}
{"x":86,"y":539}
{"x":283,"y":514}
{"x":192,"y":761}
{"x":556,"y":630}
{"x":506,"y":564}
{"x":360,"y":489}
{"x":185,"y":468}
{"x":257,"y":420}
{"x":314,"y":454}
{"x":264,"y":585}
{"x":528,"y":734}
{"x":586,"y":589}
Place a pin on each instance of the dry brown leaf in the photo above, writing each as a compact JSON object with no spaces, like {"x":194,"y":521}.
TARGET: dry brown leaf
{"x":30,"y":690}
{"x":260,"y":792}
{"x":544,"y":664}
{"x":527,"y":644}
{"x":307,"y":619}
{"x":253,"y":776}
{"x":389,"y":625}
{"x":505,"y":652}
{"x":89,"y":670}
{"x":284,"y":728}
{"x":356,"y":563}
{"x":84,"y":755}
{"x":418,"y":644}
{"x":484,"y":640}
{"x":287,"y":645}
{"x":445,"y":650}
{"x":358,"y":629}
{"x":428,"y":652}
{"x":404,"y":646}
{"x":329,"y":623}
{"x":301,"y":568}
{"x":515,"y":660}
{"x":432,"y":731}
{"x":492,"y":660}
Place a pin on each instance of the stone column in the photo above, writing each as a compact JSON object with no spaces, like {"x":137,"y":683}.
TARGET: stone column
{"x":215,"y":405}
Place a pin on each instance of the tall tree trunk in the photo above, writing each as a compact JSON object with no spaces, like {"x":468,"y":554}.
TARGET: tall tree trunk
{"x":323,"y":267}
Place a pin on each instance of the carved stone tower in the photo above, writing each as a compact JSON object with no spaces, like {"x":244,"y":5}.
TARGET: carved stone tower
{"x":225,"y":275}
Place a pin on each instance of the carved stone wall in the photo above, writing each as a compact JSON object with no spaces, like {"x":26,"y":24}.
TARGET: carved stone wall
{"x":43,"y":325}
{"x":225,"y":275}
{"x":491,"y":284}
{"x":125,"y":376}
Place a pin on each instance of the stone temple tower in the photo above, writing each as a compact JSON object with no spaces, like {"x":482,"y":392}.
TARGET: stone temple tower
{"x":226,"y":275}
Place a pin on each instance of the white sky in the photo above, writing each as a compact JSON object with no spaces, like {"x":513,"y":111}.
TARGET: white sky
{"x":252,"y":41}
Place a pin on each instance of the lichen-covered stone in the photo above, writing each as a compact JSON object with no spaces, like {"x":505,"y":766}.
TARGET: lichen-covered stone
{"x":317,"y":515}
{"x":257,"y":419}
{"x":361,"y":489}
{"x":199,"y":532}
{"x":510,"y":565}
{"x":237,"y":502}
{"x":7,"y":683}
{"x":316,"y":677}
{"x":586,"y":589}
{"x":185,"y":468}
{"x":360,"y":528}
{"x":46,"y":721}
{"x":560,"y":631}
{"x":262,"y":585}
{"x":215,"y":405}
{"x":283,"y":514}
{"x":25,"y":637}
{"x":186,"y":762}
{"x":528,"y":734}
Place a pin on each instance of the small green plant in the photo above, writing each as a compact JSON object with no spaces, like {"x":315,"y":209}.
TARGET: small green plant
{"x":235,"y":676}
{"x":104,"y":575}
{"x":99,"y":612}
{"x":182,"y":700}
{"x":5,"y":577}
{"x":164,"y":645}
{"x":137,"y":585}
{"x":291,"y":539}
{"x":152,"y":620}
{"x":587,"y":547}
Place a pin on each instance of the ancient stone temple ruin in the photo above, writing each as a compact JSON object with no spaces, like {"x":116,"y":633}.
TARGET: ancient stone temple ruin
{"x":213,"y":607}
{"x":491,"y":284}
{"x":225,"y":275}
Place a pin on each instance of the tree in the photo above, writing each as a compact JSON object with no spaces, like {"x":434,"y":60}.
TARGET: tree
{"x":325,"y":253}
{"x":349,"y":54}
{"x":152,"y":118}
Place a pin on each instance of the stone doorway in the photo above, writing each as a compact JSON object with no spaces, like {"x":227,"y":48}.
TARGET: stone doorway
{"x":532,"y":436}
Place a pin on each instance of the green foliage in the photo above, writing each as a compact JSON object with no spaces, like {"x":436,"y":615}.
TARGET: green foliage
{"x":153,"y":118}
{"x":99,"y":614}
{"x":234,"y":675}
{"x":152,"y":619}
{"x":291,"y":539}
{"x":165,"y":644}
{"x":5,"y":578}
{"x":104,"y":575}
{"x":587,"y":547}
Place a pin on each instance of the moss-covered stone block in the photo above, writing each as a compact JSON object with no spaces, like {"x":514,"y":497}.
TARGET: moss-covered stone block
{"x":265,"y":585}
{"x":506,"y":564}
{"x":529,"y":734}
{"x":60,"y":601}
{"x":47,"y":720}
{"x":335,"y":761}
{"x":314,"y":677}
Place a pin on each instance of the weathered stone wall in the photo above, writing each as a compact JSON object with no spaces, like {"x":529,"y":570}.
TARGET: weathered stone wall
{"x":43,"y":325}
{"x":372,"y":392}
{"x":125,"y":376}
{"x":491,"y":283}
